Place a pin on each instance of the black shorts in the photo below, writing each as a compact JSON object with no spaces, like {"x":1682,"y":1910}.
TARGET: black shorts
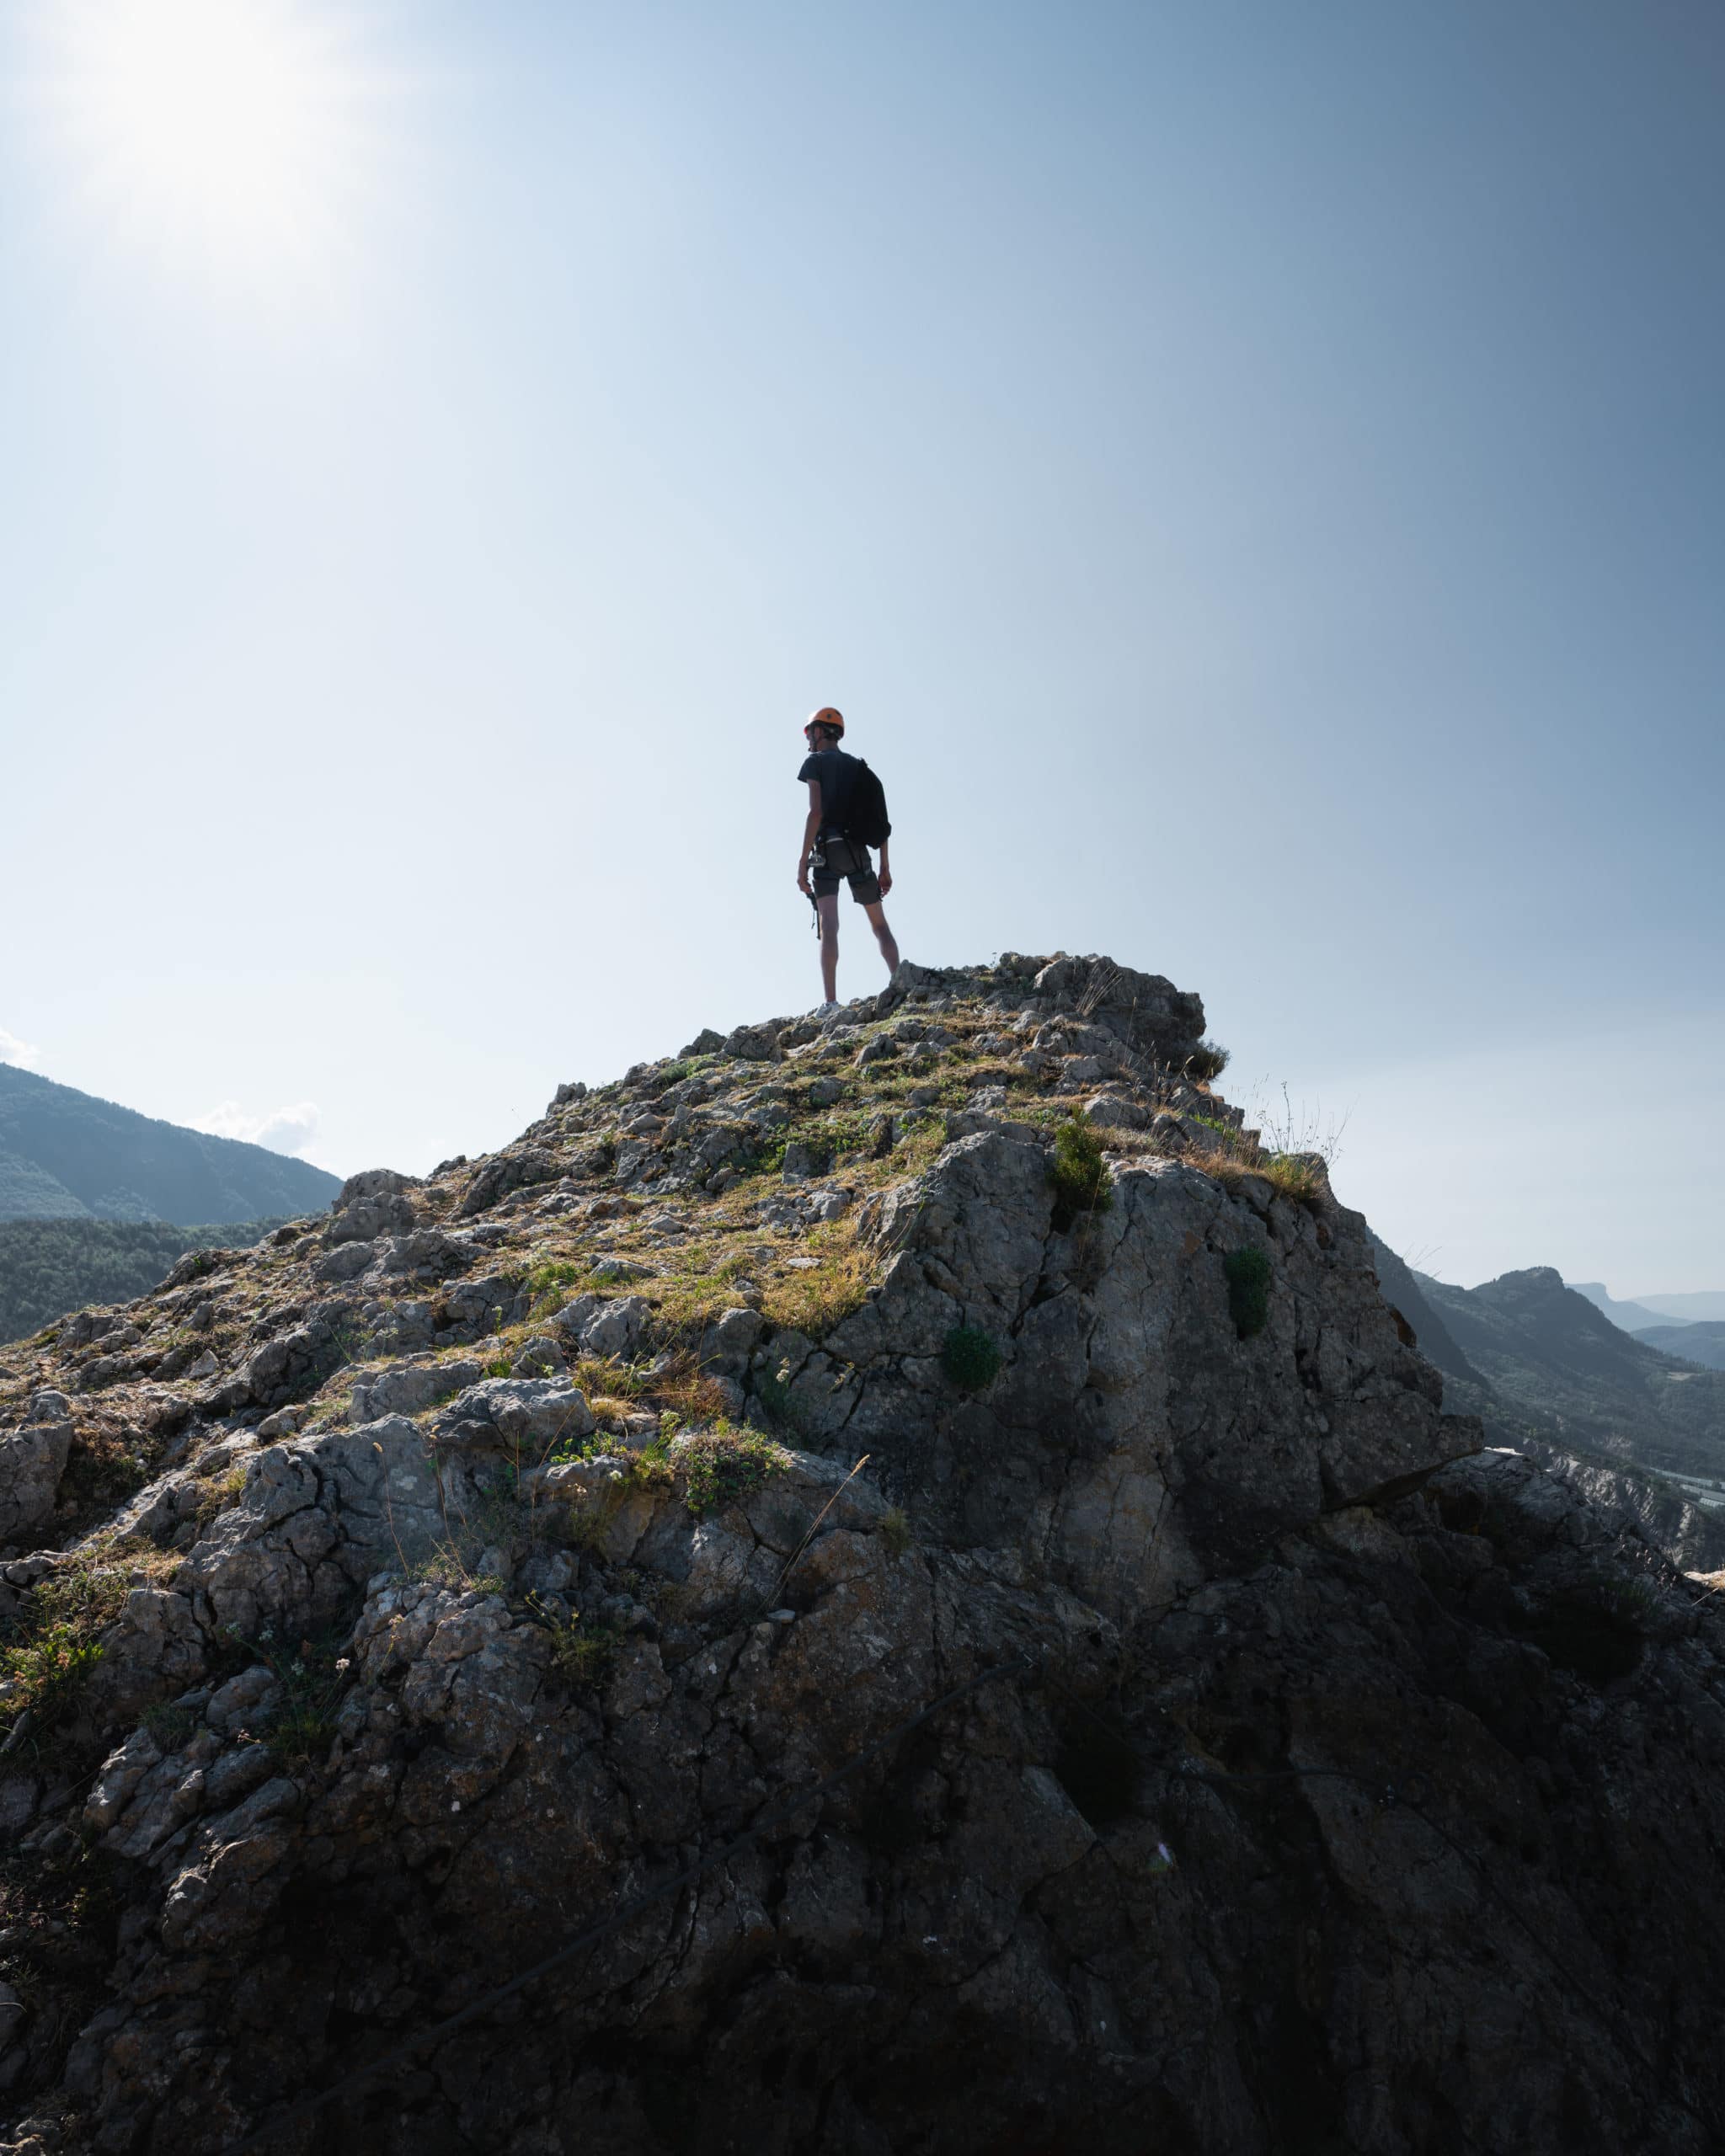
{"x":833,"y":858}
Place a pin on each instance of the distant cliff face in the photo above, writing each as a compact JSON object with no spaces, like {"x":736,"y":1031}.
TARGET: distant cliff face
{"x":980,"y":1607}
{"x":68,"y":1156}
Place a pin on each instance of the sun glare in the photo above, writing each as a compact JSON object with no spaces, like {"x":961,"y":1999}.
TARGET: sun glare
{"x":238,"y":125}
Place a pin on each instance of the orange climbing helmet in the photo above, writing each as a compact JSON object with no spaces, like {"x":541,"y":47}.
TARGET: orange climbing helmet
{"x":833,"y":720}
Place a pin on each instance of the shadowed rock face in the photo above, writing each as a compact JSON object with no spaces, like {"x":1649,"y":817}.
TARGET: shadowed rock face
{"x":1353,"y":1789}
{"x":1132,"y":1440}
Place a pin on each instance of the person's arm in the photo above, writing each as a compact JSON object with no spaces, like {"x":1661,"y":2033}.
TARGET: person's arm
{"x":811,"y":831}
{"x":885,"y":873}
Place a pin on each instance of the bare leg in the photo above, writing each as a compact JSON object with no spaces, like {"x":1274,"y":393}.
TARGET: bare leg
{"x":882,"y":936}
{"x":829,"y":912}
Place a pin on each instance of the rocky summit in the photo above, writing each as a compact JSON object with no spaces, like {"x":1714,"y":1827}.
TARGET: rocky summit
{"x":907,"y":1560}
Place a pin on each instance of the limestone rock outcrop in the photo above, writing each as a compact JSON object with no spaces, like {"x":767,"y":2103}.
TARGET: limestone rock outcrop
{"x":538,"y":1533}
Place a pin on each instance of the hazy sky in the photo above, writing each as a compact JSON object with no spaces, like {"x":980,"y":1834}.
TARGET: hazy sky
{"x":1253,"y":476}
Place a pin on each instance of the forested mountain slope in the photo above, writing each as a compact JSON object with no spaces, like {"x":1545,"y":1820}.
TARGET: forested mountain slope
{"x":1703,"y":1342}
{"x":48,"y":1268}
{"x":66,"y":1155}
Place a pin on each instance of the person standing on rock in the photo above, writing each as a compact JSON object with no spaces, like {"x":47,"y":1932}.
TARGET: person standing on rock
{"x":846,"y":816}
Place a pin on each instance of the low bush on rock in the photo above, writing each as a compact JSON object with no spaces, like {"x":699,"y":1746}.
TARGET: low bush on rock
{"x":971,"y":1357}
{"x":41,"y":1674}
{"x":1596,"y":1629}
{"x":583,"y":1654}
{"x":1247,"y":1272}
{"x":1097,"y":1768}
{"x":313,"y":1679}
{"x":224,"y":1491}
{"x":106,"y":1463}
{"x":723,"y":1466}
{"x":53,"y":1644}
{"x":773,"y":1395}
{"x":549,"y":1281}
{"x":1079,"y":1174}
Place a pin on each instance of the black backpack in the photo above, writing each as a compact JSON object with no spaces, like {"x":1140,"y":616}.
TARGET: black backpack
{"x":865,"y":817}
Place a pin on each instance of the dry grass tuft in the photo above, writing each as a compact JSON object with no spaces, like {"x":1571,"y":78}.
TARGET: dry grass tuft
{"x":699,"y":1286}
{"x":220,"y":1494}
{"x":689,"y":1392}
{"x":812,"y":1300}
{"x":603,"y":1377}
{"x":1301,"y":1177}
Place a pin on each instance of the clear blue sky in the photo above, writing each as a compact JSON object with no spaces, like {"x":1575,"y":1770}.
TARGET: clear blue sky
{"x":1254,"y":477}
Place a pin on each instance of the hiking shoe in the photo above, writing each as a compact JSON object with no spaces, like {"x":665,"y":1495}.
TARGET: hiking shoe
{"x":826,"y":1010}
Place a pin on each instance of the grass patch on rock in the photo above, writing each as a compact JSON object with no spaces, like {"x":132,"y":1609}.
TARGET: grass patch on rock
{"x":721,"y":1466}
{"x":53,"y":1642}
{"x":813,"y":1299}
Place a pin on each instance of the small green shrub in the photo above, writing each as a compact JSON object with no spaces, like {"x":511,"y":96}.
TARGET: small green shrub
{"x":582,"y":1655}
{"x":971,"y":1357}
{"x":303,"y":1727}
{"x":1208,"y":1060}
{"x":723,"y":1466}
{"x":170,"y":1725}
{"x":1596,"y":1636}
{"x":52,"y":1642}
{"x":1247,"y":1272}
{"x":548,"y":1283}
{"x":1098,"y":1769}
{"x":1080,"y":1173}
{"x":895,"y":1529}
{"x":42,"y":1676}
{"x":781,"y":1410}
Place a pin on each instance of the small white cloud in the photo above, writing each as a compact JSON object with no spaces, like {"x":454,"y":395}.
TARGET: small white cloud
{"x":13,"y":1050}
{"x":292,"y":1130}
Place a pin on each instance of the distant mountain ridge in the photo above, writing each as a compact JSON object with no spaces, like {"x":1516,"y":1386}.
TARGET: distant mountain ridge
{"x":1631,"y":1316}
{"x":65,"y":1155}
{"x":1703,"y":1343}
{"x":1536,"y":1359}
{"x":1707,"y":1307}
{"x":1549,"y":1373}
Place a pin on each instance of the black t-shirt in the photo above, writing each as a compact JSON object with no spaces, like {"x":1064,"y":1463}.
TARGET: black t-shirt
{"x":832,"y":769}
